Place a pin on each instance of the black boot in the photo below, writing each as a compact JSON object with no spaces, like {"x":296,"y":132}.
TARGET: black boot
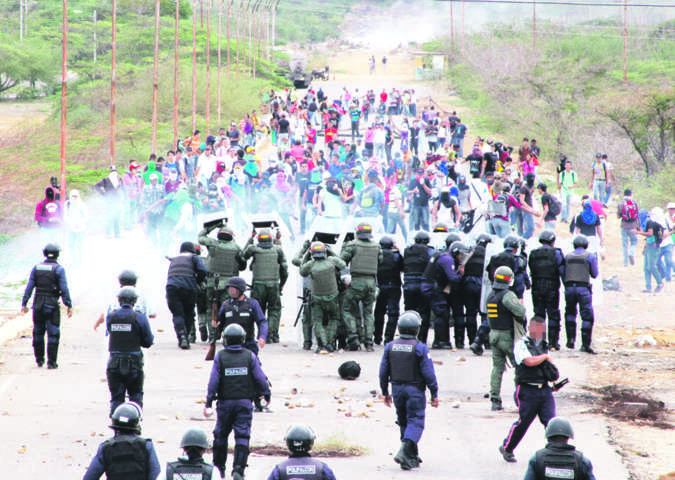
{"x":240,"y":459}
{"x":203,"y":333}
{"x":476,"y":347}
{"x":219,"y":459}
{"x":52,"y":354}
{"x":183,"y":342}
{"x":406,"y":456}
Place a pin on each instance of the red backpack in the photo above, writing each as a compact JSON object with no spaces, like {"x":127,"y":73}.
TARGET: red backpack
{"x":629,"y":212}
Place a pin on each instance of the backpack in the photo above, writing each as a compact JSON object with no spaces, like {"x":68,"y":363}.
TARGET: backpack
{"x":554,"y":206}
{"x":657,"y":230}
{"x":629,"y":212}
{"x":497,"y":207}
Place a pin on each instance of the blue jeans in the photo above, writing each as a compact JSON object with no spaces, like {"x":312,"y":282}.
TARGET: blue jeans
{"x":629,"y":243}
{"x":500,"y":227}
{"x":565,"y":198}
{"x":650,"y":268}
{"x":599,"y":187}
{"x":665,"y":261}
{"x":528,"y":225}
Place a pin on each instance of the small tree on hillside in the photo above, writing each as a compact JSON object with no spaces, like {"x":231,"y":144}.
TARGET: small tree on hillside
{"x":648,"y":121}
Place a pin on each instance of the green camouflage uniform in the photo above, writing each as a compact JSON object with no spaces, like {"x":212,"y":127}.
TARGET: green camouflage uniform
{"x":363,"y":257}
{"x":224,"y":261}
{"x":270,"y":272}
{"x":324,"y":273}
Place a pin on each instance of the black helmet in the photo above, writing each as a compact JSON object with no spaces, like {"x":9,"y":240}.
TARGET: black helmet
{"x":409,"y":324}
{"x":234,"y":334}
{"x":559,"y":427}
{"x":128,"y":278}
{"x":483,"y":239}
{"x":238,"y":283}
{"x":440,"y":227}
{"x":318,"y":250}
{"x":459,"y":251}
{"x":265,"y":237}
{"x":511,"y":242}
{"x":503,"y":278}
{"x":127,"y":296}
{"x":522,"y":243}
{"x":547,"y":237}
{"x":225,"y":234}
{"x":387,"y":242}
{"x":580,"y":241}
{"x":187,"y":247}
{"x":563,"y":157}
{"x":127,"y":417}
{"x":300,"y":439}
{"x":452,"y":238}
{"x":364,"y":231}
{"x":422,"y":237}
{"x":194,"y":438}
{"x":349,"y":370}
{"x":51,"y":250}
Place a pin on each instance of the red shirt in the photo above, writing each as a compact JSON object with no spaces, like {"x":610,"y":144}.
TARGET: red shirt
{"x":383,"y":97}
{"x":329,"y":134}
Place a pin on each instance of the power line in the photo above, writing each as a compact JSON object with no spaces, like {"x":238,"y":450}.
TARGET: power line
{"x":552,"y":2}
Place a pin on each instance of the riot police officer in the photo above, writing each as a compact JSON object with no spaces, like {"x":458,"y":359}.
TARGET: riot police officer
{"x":460,"y":254}
{"x":194,"y":443}
{"x":546,"y":267}
{"x":224,"y":261}
{"x":298,"y":259}
{"x":534,"y":394}
{"x":128,"y":331}
{"x":472,"y":283}
{"x":406,"y":363}
{"x":415,"y":260}
{"x":300,"y":440}
{"x":439,"y":278}
{"x":270,"y":272}
{"x":559,"y":456}
{"x":507,"y":258}
{"x":580,"y":267}
{"x":185,"y":271}
{"x":389,"y":296}
{"x":49,"y":281}
{"x":127,"y":455}
{"x":521,"y":280}
{"x":363,"y":257}
{"x":127,"y":278}
{"x":504,"y":313}
{"x":244,"y":311}
{"x":236,"y":378}
{"x":324,"y":271}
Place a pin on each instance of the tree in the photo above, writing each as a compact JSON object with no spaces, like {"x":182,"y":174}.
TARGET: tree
{"x":29,"y":62}
{"x":647,"y":119}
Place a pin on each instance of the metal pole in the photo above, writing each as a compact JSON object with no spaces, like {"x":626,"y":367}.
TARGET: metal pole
{"x":238,"y":17}
{"x":220,"y":27}
{"x":95,"y":35}
{"x":274,"y":29}
{"x":208,"y":68}
{"x":534,"y":24}
{"x":64,"y":99}
{"x":113,"y":82}
{"x":155,"y":79}
{"x":463,"y":27}
{"x":21,"y":20}
{"x":625,"y":43}
{"x":175,"y":82}
{"x":194,"y":67}
{"x":229,"y":14}
{"x":452,"y":28}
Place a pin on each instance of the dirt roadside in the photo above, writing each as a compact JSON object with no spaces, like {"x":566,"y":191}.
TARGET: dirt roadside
{"x":647,"y":451}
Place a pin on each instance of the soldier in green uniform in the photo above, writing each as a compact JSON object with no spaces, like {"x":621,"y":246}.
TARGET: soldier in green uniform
{"x":324,"y":271}
{"x":363,"y":256}
{"x":298,"y":260}
{"x":270,"y":272}
{"x":505,"y":314}
{"x":224,"y":261}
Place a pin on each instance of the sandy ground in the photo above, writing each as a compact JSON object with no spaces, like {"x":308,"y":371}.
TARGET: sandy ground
{"x":53,"y":420}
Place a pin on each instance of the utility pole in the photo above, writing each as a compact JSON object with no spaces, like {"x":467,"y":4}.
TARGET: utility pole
{"x":229,"y":16}
{"x":220,"y":26}
{"x":274,"y":29}
{"x":208,"y":68}
{"x":625,"y":43}
{"x":155,"y":79}
{"x":194,"y":67}
{"x":175,"y":80}
{"x":113,"y":82}
{"x":64,"y":99}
